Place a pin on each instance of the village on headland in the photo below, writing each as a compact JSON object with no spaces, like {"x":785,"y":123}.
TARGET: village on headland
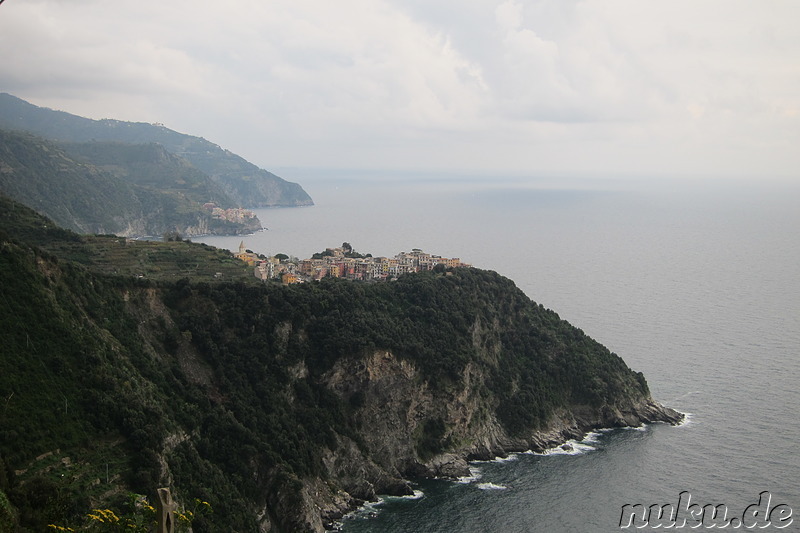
{"x":236,"y":214}
{"x":342,"y":262}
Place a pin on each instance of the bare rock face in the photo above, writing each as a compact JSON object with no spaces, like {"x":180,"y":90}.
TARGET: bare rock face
{"x":394,"y":402}
{"x":394,"y":399}
{"x":359,"y":476}
{"x":449,"y":465}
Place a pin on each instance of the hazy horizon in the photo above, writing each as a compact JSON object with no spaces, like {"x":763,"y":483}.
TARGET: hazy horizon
{"x":540,"y":87}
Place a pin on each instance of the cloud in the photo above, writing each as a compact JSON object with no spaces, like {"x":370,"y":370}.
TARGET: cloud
{"x":520,"y":85}
{"x":509,"y":16}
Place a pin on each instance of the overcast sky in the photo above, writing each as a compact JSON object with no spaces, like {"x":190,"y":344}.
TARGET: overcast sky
{"x":592,"y":87}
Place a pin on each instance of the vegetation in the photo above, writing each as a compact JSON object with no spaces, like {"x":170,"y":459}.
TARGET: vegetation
{"x":347,"y":249}
{"x":244,"y":183}
{"x":151,"y":166}
{"x":138,"y":517}
{"x":117,"y":375}
{"x":169,"y":259}
{"x":111,"y":188}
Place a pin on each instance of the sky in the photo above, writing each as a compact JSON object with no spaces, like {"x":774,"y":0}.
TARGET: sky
{"x":588,"y":88}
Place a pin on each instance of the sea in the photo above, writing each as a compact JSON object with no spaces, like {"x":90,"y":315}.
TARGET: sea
{"x":694,"y":282}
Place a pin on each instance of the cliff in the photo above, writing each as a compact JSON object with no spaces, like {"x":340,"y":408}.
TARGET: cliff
{"x":283,"y":406}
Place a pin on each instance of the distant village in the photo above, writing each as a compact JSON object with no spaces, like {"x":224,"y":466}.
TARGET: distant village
{"x":342,"y":262}
{"x":236,"y":214}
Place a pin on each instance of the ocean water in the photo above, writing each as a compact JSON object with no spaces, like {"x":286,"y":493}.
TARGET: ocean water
{"x":696,"y":284}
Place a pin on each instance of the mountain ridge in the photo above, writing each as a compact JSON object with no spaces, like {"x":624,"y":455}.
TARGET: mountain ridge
{"x":248,"y":185}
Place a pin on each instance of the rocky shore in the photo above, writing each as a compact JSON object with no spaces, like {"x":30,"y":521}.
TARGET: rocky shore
{"x":396,"y":400}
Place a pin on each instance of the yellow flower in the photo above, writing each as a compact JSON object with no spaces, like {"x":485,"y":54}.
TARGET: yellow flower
{"x":108,"y":514}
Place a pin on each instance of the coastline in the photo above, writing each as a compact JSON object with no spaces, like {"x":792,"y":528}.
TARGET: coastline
{"x":459,"y":467}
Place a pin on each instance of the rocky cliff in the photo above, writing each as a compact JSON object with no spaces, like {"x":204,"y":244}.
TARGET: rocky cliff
{"x":283,"y":406}
{"x":397,"y":403}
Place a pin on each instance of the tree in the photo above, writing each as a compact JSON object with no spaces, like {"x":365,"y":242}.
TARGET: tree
{"x":347,"y":247}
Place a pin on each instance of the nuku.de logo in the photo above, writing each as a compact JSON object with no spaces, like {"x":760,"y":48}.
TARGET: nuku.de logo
{"x":693,"y":516}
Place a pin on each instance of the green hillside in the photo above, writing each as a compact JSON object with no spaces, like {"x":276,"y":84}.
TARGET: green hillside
{"x":283,"y":406}
{"x":244,"y":183}
{"x":151,"y":166}
{"x":130,"y":190}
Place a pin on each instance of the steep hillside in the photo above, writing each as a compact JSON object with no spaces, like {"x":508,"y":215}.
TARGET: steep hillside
{"x":78,"y":197}
{"x":246,"y":184}
{"x":283,"y":406}
{"x":151,"y":166}
{"x":140,"y":190}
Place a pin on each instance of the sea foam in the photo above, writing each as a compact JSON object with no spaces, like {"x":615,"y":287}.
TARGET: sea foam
{"x":572,"y":447}
{"x":643,"y":427}
{"x":490,"y":486}
{"x":513,"y":456}
{"x":688,"y":420}
{"x":474,"y":475}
